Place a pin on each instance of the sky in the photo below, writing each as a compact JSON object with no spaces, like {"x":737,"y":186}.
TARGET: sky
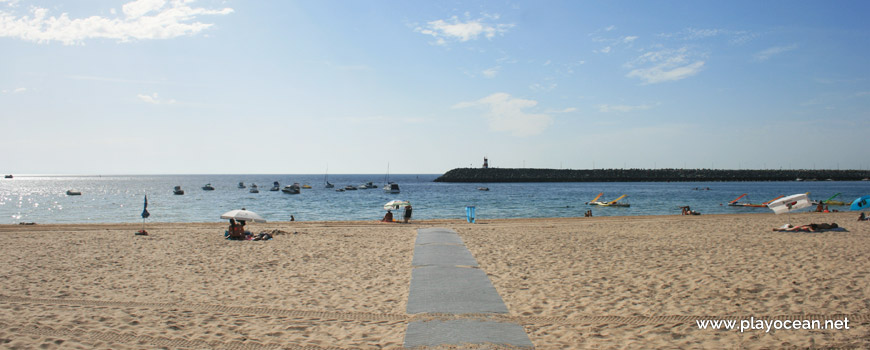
{"x":421,"y":87}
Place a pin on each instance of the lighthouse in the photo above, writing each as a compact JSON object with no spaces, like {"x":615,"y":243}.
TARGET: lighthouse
{"x":485,"y":163}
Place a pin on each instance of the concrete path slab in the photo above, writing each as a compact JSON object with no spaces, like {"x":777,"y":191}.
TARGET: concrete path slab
{"x":452,"y":290}
{"x":444,"y":280}
{"x":437,"y":235}
{"x":458,"y":332}
{"x":443,"y":255}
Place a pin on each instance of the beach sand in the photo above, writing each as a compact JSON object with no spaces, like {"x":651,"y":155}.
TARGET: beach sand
{"x":601,"y":282}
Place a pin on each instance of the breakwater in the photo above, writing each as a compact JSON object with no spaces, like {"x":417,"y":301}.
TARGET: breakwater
{"x":645,"y":175}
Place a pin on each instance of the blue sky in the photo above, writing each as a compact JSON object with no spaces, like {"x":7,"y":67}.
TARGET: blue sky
{"x":180,"y":86}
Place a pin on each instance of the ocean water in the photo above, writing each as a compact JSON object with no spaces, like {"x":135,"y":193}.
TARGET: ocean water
{"x":112,"y":199}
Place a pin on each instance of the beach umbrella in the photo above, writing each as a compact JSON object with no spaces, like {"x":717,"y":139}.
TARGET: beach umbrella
{"x":790,"y":203}
{"x":396,"y":204}
{"x":243,"y":215}
{"x":861,"y":203}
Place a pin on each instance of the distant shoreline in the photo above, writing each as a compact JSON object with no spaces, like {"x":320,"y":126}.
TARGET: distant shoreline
{"x":645,"y":175}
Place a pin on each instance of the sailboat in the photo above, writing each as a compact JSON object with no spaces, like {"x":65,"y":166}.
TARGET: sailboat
{"x":831,"y":201}
{"x":390,"y":187}
{"x":326,"y":176}
{"x":613,"y":203}
{"x":736,"y":203}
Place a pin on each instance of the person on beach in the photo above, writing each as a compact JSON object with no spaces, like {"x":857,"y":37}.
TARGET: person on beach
{"x":407,"y":215}
{"x":263,"y":236}
{"x":235,"y":231}
{"x":388,"y":217}
{"x":861,"y":217}
{"x":810,"y":228}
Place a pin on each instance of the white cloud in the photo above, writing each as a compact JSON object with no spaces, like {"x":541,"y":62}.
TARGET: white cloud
{"x":566,"y":110}
{"x":491,"y":73}
{"x":508,"y":114}
{"x":664,"y":65}
{"x":622,"y":108}
{"x":546,"y":86}
{"x":154,"y":99}
{"x":629,"y":39}
{"x":143,"y":19}
{"x":773,"y":51}
{"x":605,"y":50}
{"x":609,"y":28}
{"x":470,"y":29}
{"x":734,"y":37}
{"x":19,"y":90}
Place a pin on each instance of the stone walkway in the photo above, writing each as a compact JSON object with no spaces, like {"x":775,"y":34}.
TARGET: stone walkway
{"x":446,"y":280}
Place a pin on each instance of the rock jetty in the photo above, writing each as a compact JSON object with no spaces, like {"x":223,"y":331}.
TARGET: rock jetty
{"x":645,"y":175}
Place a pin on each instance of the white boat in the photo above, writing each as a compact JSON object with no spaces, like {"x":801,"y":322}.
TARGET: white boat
{"x":391,"y":187}
{"x":275,"y":186}
{"x":363,"y":187}
{"x":178,"y":190}
{"x":254,"y":189}
{"x":241,"y":185}
{"x":208,"y":187}
{"x":483,"y":188}
{"x":73,"y":193}
{"x":350,"y":188}
{"x":326,"y":178}
{"x":292,"y":189}
{"x":339,"y":190}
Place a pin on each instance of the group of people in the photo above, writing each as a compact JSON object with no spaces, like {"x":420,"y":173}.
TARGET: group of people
{"x":237,"y":231}
{"x":686,"y":210}
{"x":388,"y":217}
{"x":588,"y":213}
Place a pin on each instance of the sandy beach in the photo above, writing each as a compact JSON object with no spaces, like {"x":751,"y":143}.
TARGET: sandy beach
{"x":601,"y":282}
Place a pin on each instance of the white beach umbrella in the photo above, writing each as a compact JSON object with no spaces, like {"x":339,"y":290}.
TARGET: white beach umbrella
{"x":243,"y":215}
{"x":790,"y":203}
{"x":396,"y":204}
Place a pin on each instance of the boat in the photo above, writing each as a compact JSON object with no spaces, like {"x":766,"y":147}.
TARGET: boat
{"x":363,"y":187}
{"x":392,"y":188}
{"x":8,"y":176}
{"x":241,"y":185}
{"x":275,"y":186}
{"x":254,"y":189}
{"x":178,"y":190}
{"x":208,"y":187}
{"x":73,"y":193}
{"x":350,"y":188}
{"x":326,"y":177}
{"x":736,"y":202}
{"x":830,"y":201}
{"x":306,"y":186}
{"x":613,"y":203}
{"x":292,"y":189}
{"x":339,"y":190}
{"x":483,"y":188}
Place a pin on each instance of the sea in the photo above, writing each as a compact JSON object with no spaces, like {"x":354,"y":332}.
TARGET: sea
{"x":120,"y":198}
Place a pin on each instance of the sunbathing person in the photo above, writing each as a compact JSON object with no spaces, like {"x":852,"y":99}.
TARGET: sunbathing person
{"x":388,"y":217}
{"x":809,"y":228}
